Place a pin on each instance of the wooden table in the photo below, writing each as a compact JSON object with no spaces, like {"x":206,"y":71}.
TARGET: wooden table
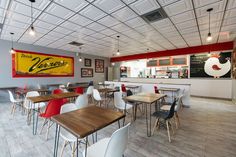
{"x":133,"y":87}
{"x":74,"y":87}
{"x":23,"y":91}
{"x":106,"y":91}
{"x":172,"y":90}
{"x":83,"y":122}
{"x":148,"y":99}
{"x":45,"y":98}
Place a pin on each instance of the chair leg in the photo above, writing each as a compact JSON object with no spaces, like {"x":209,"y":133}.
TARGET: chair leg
{"x":63,"y":147}
{"x":12,"y":108}
{"x":177,"y":122}
{"x":73,"y":149}
{"x":44,"y":122}
{"x":48,"y":129}
{"x":171,"y":127}
{"x":168,"y":130}
{"x":155,"y":125}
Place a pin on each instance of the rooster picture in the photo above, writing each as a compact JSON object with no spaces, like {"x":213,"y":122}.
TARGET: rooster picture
{"x":214,"y":68}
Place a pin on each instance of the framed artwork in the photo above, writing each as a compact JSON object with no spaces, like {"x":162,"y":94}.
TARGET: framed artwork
{"x":99,"y":66}
{"x":86,"y":72}
{"x":87,"y":62}
{"x":34,"y":64}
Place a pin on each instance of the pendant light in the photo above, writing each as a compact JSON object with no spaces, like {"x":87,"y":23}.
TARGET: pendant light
{"x":118,"y":46}
{"x":31,"y":29}
{"x":80,"y":58}
{"x":209,"y":37}
{"x":147,"y":57}
{"x":12,"y":51}
{"x":113,"y":63}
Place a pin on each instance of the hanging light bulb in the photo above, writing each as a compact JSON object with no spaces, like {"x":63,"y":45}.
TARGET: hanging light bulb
{"x":209,"y":37}
{"x":113,"y":63}
{"x":118,"y":46}
{"x":80,"y":58}
{"x":31,"y":29}
{"x":12,"y":51}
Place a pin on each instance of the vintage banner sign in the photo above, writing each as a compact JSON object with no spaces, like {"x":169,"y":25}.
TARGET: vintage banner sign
{"x":32,"y":64}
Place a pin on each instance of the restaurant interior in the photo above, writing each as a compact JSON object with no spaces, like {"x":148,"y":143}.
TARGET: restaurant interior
{"x":118,"y":78}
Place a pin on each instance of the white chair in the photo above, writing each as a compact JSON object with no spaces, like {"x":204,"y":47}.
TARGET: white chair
{"x":81,"y":101}
{"x":14,"y":102}
{"x":39,"y":86}
{"x":68,"y":84}
{"x":89,"y":92}
{"x":67,"y":136}
{"x":110,"y":147}
{"x":120,"y":103}
{"x":29,"y":106}
{"x":97,"y":97}
{"x":63,"y":88}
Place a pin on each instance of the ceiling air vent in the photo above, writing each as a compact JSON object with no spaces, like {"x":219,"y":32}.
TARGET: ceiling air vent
{"x":154,"y":15}
{"x":74,"y":43}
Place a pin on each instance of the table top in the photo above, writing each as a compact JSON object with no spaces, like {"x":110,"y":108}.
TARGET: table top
{"x":74,"y":87}
{"x":7,"y":88}
{"x":45,"y":98}
{"x":145,"y":97}
{"x":85,"y":121}
{"x":23,"y":91}
{"x":108,"y":90}
{"x":169,"y":89}
{"x":104,"y":84}
{"x":132,"y":86}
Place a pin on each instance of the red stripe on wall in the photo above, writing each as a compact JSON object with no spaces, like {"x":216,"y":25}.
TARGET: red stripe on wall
{"x":175,"y":52}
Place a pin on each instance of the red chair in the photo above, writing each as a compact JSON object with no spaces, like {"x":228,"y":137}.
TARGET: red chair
{"x":57,"y":91}
{"x":79,"y":90}
{"x":123,"y":88}
{"x":156,"y":90}
{"x":53,"y":108}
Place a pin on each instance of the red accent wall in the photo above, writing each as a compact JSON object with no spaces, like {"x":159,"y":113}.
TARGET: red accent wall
{"x":175,"y":52}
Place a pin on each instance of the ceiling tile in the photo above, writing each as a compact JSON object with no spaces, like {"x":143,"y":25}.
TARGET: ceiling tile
{"x":128,"y":1}
{"x":45,"y":25}
{"x":217,"y":7}
{"x":230,"y":13}
{"x":214,"y":17}
{"x":200,"y":3}
{"x":166,"y":2}
{"x":229,"y":21}
{"x":80,"y":20}
{"x":189,"y":15}
{"x":144,"y":6}
{"x":59,"y":11}
{"x":71,"y":26}
{"x":62,"y":30}
{"x":109,"y":6}
{"x":92,"y":12}
{"x":108,"y":21}
{"x":187,"y":24}
{"x":135,"y":22}
{"x":4,"y":4}
{"x":178,"y":7}
{"x":108,"y":32}
{"x":72,"y":4}
{"x":39,"y":4}
{"x":96,"y":26}
{"x":50,"y":19}
{"x":16,"y":24}
{"x":188,"y":30}
{"x":86,"y":31}
{"x":231,"y":4}
{"x":56,"y":34}
{"x":124,"y":14}
{"x":144,"y":28}
{"x":120,"y":27}
{"x":19,"y":17}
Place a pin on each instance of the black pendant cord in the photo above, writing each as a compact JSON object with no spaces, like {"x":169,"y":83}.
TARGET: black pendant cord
{"x":118,"y":50}
{"x":209,"y":22}
{"x":31,"y":14}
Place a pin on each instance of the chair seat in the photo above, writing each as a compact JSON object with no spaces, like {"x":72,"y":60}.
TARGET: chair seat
{"x":18,"y":100}
{"x":128,"y":106}
{"x":165,"y":107}
{"x":36,"y":106}
{"x":160,"y":114}
{"x":98,"y":149}
{"x":68,"y":136}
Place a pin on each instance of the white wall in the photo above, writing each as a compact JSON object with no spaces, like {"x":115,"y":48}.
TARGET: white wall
{"x":215,"y":88}
{"x":6,"y":79}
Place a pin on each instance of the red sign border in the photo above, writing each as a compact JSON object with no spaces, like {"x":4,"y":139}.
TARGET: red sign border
{"x":15,"y":75}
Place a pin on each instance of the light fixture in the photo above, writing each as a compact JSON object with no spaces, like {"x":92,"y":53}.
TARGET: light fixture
{"x":31,"y":29}
{"x":147,"y":57}
{"x":118,"y":45}
{"x":209,"y":54}
{"x":80,"y":58}
{"x":113,"y":63}
{"x":209,"y":37}
{"x":12,"y":50}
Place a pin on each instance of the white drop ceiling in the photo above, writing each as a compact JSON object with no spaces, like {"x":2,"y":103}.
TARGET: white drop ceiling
{"x":96,"y":23}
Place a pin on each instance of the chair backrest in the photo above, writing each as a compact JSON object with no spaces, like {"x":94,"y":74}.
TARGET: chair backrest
{"x":68,"y":107}
{"x":90,"y":83}
{"x":53,"y":108}
{"x":90,"y":90}
{"x":118,"y":101}
{"x":123,"y":88}
{"x":79,"y":90}
{"x":179,"y":101}
{"x":129,"y":92}
{"x":39,"y":86}
{"x":81,"y":101}
{"x":27,"y":101}
{"x":118,"y":142}
{"x":57,"y":91}
{"x":156,"y":89}
{"x":12,"y":99}
{"x":172,"y":110}
{"x":68,"y":84}
{"x":96,"y":95}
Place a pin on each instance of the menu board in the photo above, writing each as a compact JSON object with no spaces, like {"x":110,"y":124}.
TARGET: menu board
{"x":211,"y":65}
{"x":152,"y":63}
{"x":164,"y":62}
{"x":179,"y":61}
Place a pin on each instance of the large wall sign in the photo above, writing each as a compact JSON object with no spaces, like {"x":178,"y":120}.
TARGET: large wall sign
{"x":32,"y":64}
{"x":211,"y":65}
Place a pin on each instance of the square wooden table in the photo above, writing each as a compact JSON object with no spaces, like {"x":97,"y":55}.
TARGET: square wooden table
{"x":172,"y":90}
{"x":133,"y":87}
{"x":147,"y":99}
{"x":84,"y":122}
{"x":46,"y":98}
{"x":106,"y":91}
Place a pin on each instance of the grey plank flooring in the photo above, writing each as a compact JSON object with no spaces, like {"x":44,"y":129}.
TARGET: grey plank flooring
{"x":208,"y":129}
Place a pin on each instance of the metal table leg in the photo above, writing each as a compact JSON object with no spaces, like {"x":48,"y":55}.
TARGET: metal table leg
{"x":85,"y":151}
{"x":56,"y":140}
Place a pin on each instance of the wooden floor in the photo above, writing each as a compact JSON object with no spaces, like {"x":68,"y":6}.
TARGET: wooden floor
{"x":208,"y":129}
